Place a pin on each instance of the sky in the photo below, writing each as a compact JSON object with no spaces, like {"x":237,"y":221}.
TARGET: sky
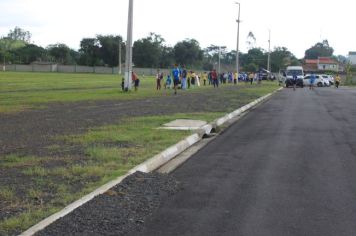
{"x":296,"y":25}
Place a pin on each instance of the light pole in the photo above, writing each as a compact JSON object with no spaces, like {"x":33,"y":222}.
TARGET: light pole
{"x":219,"y":55}
{"x":269,"y":52}
{"x":219,"y":60}
{"x":128,"y":60}
{"x":120,"y":57}
{"x":237,"y":45}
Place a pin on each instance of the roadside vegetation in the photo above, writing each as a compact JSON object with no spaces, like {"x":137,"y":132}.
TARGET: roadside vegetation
{"x":38,"y":186}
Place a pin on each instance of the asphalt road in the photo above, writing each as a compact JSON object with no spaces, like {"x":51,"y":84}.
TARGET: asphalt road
{"x":286,"y":168}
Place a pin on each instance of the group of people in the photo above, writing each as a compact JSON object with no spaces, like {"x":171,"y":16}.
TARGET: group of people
{"x":183,"y":79}
{"x":135,"y":81}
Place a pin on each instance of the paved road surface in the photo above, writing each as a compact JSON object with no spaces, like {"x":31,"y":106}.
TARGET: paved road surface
{"x":286,"y":168}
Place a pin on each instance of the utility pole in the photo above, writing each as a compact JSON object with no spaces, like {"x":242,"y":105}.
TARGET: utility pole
{"x":269,"y":52}
{"x":120,"y":57}
{"x":237,"y":45}
{"x":128,"y":61}
{"x":219,"y":60}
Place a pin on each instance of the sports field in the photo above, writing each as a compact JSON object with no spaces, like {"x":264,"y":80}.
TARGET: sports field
{"x":63,"y":135}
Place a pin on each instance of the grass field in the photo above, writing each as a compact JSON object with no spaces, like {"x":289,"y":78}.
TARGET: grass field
{"x":46,"y":183}
{"x":19,"y":91}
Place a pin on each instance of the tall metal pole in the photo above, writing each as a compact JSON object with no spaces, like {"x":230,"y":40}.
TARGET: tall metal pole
{"x":120,"y":57}
{"x":128,"y":61}
{"x":219,"y":60}
{"x":269,"y":52}
{"x":237,"y":45}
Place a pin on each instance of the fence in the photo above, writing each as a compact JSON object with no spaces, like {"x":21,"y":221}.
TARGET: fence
{"x":54,"y":68}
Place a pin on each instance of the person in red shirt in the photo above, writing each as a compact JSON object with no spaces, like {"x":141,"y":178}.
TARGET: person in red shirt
{"x":135,"y":80}
{"x":214,"y":78}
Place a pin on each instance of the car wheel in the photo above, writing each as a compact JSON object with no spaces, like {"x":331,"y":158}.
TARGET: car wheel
{"x":319,"y":84}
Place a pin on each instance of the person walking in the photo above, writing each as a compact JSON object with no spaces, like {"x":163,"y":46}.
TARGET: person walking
{"x":214,"y":78}
{"x":176,"y":75}
{"x":337,"y":81}
{"x":204,"y":77}
{"x":294,"y":81}
{"x":251,"y":76}
{"x":135,"y":80}
{"x":159,"y":77}
{"x":184,"y":78}
{"x":189,"y":78}
{"x":312,"y":81}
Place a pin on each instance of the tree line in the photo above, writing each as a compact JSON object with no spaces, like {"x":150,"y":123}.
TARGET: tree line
{"x":151,"y":52}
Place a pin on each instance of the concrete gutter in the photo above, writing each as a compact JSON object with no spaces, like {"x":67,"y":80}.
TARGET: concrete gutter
{"x":149,"y":165}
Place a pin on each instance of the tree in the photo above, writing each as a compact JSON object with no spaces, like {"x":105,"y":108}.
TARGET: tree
{"x":60,"y":53}
{"x":251,"y":67}
{"x":167,"y":57}
{"x":109,"y":49}
{"x":19,"y":34}
{"x":256,"y":56}
{"x":29,"y":54}
{"x":7,"y":45}
{"x":90,"y":52}
{"x":250,"y":41}
{"x":189,"y":53}
{"x":321,"y":49}
{"x":281,"y":57}
{"x":148,"y":51}
{"x":342,"y":59}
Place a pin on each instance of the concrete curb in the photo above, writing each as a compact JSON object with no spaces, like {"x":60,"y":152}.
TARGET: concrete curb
{"x":151,"y":164}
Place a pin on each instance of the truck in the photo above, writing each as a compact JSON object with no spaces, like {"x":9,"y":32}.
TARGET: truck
{"x":290,"y":72}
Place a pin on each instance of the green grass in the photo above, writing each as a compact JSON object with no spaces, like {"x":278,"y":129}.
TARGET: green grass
{"x":7,"y":194}
{"x":110,"y":151}
{"x":14,"y":160}
{"x":19,"y":91}
{"x":24,"y":220}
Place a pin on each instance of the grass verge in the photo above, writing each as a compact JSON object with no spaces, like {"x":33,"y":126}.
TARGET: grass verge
{"x":110,"y":151}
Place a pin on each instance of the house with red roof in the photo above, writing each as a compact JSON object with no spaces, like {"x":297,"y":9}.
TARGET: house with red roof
{"x":327,"y":63}
{"x":321,"y":64}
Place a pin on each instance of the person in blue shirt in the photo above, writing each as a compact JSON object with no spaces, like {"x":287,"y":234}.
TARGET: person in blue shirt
{"x":168,"y":82}
{"x":176,"y":75}
{"x":312,"y":81}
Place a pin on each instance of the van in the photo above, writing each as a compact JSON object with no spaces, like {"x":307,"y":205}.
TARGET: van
{"x":290,"y":72}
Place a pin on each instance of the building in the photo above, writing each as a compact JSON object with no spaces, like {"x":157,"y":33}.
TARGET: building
{"x":310,"y":65}
{"x":328,"y":64}
{"x":321,"y":64}
{"x":352,"y":58}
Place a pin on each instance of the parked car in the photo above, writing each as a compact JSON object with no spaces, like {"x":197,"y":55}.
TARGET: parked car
{"x":319,"y":81}
{"x":330,"y":78}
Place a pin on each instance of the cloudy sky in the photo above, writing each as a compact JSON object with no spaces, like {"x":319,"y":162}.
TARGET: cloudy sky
{"x":296,"y":25}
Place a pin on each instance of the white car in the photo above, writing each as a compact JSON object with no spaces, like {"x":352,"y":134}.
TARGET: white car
{"x":330,"y":78}
{"x":319,"y":81}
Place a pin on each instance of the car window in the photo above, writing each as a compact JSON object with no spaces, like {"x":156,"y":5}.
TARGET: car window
{"x":294,"y":72}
